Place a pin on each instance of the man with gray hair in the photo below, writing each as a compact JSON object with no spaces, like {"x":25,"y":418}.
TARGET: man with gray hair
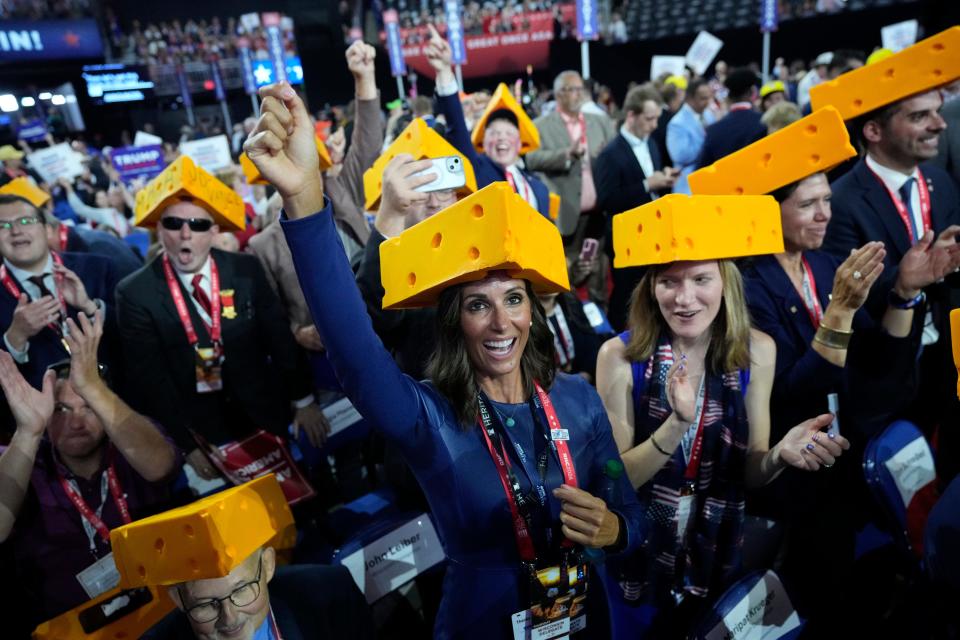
{"x":570,"y":141}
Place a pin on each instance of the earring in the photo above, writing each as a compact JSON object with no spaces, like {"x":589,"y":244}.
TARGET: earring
{"x":531,"y":323}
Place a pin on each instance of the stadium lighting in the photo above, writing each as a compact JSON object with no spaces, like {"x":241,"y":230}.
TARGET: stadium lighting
{"x":8,"y":103}
{"x":46,"y":95}
{"x":27,"y":101}
{"x":58,"y":100}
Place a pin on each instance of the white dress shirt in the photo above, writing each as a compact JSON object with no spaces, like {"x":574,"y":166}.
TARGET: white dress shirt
{"x":33,"y":291}
{"x":894,"y":180}
{"x":641,"y":149}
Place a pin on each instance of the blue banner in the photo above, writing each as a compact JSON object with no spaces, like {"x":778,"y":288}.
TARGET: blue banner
{"x":262,"y":71}
{"x":587,"y":28}
{"x":455,"y":31}
{"x":32,"y":131}
{"x":769,"y":19}
{"x":398,"y":66}
{"x":184,"y":88}
{"x":217,"y":81}
{"x":22,"y":40}
{"x":275,"y":45}
{"x":134,"y":162}
{"x":247,"y":67}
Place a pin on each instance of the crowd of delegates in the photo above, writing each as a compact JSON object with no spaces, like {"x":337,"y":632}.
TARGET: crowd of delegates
{"x":110,"y":382}
{"x":45,"y":9}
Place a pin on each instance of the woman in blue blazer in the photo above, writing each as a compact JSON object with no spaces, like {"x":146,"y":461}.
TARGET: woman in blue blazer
{"x":504,"y":347}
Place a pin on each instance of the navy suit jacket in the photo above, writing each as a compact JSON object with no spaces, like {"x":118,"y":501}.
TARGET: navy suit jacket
{"x":733,"y":132}
{"x":99,"y":278}
{"x":485,"y":169}
{"x":863,"y":212}
{"x":619,"y":178}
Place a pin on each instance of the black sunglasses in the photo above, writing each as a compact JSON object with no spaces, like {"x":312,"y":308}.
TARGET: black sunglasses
{"x":198,"y":225}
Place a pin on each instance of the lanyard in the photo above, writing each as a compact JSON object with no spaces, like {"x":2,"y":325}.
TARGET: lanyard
{"x":91,"y":519}
{"x":810,"y":299}
{"x":214,"y":328}
{"x":273,"y":626}
{"x":692,"y":452}
{"x":62,"y":232}
{"x":11,"y":286}
{"x":513,"y":185}
{"x":511,"y":487}
{"x":562,"y":338}
{"x":902,"y":208}
{"x":740,"y":106}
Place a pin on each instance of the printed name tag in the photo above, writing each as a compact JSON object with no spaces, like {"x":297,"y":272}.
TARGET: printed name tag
{"x":100,"y":577}
{"x":559,"y":434}
{"x":341,"y":414}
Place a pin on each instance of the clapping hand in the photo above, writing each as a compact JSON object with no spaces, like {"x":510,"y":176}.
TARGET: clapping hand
{"x":927,"y":262}
{"x":83,"y":338}
{"x":31,"y":409}
{"x":74,"y":293}
{"x":856,"y":275}
{"x":680,"y":393}
{"x":807,"y":447}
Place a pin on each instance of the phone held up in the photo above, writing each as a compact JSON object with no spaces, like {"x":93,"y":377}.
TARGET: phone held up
{"x":449,"y":172}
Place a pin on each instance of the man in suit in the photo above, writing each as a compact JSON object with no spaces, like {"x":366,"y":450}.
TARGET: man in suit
{"x":570,"y":141}
{"x":629,"y":172}
{"x":218,"y":360}
{"x":500,"y":160}
{"x":258,"y":600}
{"x":948,"y":156}
{"x":894,"y":195}
{"x":740,"y":126}
{"x":41,"y":288}
{"x":687,"y":130}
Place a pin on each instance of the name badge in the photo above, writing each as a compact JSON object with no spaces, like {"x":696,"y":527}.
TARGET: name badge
{"x":559,"y":610}
{"x":208,"y":371}
{"x":100,"y":577}
{"x":559,"y":434}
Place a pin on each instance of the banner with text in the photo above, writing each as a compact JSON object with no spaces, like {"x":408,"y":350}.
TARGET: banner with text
{"x":135,"y":162}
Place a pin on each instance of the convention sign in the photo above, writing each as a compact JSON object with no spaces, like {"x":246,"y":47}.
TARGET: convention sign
{"x":455,"y":31}
{"x":32,"y":131}
{"x":58,"y":161}
{"x":135,"y":162}
{"x":702,"y":52}
{"x":213,"y":154}
{"x":271,"y":21}
{"x":764,"y":613}
{"x":671,"y":65}
{"x":33,"y":40}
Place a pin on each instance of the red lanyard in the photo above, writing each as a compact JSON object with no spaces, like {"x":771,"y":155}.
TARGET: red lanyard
{"x":513,"y":185}
{"x":504,"y":468}
{"x":88,"y":513}
{"x":181,"y":304}
{"x":902,"y":208}
{"x":693,"y":465}
{"x":810,"y":299}
{"x":62,"y":231}
{"x":273,"y":626}
{"x":11,"y":286}
{"x":740,"y":106}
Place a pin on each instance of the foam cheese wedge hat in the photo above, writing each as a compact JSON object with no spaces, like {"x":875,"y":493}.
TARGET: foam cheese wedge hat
{"x":492,"y":230}
{"x":810,"y":145}
{"x":131,"y":615}
{"x":503,"y":99}
{"x":252,"y":174}
{"x":681,"y":227}
{"x":921,"y":67}
{"x":205,"y":539}
{"x":184,"y":180}
{"x":955,"y":342}
{"x":25,"y":188}
{"x":420,"y":141}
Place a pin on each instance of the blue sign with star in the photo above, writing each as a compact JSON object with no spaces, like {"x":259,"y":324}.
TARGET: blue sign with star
{"x":22,"y":40}
{"x":263,"y":71}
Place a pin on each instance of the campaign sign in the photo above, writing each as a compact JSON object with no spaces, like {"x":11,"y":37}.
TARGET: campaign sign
{"x":899,"y":36}
{"x":396,"y":558}
{"x":144,"y":139}
{"x":134,"y":162}
{"x":704,"y":49}
{"x":392,"y":26}
{"x":58,"y":161}
{"x":263,"y":74}
{"x":33,"y":131}
{"x":32,"y":40}
{"x":213,"y":154}
{"x":674,"y":65}
{"x":769,"y":19}
{"x":458,"y":47}
{"x":587,"y":20}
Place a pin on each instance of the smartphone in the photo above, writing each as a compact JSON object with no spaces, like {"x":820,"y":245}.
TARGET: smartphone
{"x":109,"y":611}
{"x":449,"y":172}
{"x":589,"y":249}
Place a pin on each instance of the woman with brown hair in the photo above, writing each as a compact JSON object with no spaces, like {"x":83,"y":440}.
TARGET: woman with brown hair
{"x":687,"y":389}
{"x":509,"y":454}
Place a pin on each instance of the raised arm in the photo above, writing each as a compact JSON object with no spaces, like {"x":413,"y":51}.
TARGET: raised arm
{"x":367,"y":138}
{"x":281,"y":146}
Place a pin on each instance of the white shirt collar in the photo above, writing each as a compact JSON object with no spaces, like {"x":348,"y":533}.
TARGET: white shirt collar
{"x":632,"y":139}
{"x":892,"y":178}
{"x":22,"y":275}
{"x":187,"y":278}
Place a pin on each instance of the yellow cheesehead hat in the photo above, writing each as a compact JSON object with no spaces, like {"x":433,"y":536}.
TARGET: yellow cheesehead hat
{"x":252,"y":174}
{"x":503,"y":99}
{"x":420,"y":141}
{"x":772,"y":87}
{"x":25,"y":188}
{"x":812,"y":144}
{"x":924,"y":66}
{"x":679,"y":227}
{"x":492,"y":230}
{"x":206,"y":539}
{"x":680,"y":82}
{"x":184,"y":180}
{"x":132,"y":625}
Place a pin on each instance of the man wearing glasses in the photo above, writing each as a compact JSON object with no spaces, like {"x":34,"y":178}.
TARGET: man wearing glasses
{"x":206,"y":341}
{"x":42,"y":288}
{"x":79,"y":464}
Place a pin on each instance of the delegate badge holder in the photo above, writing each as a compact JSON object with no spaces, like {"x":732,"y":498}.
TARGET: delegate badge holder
{"x":557,"y":607}
{"x":209,"y":363}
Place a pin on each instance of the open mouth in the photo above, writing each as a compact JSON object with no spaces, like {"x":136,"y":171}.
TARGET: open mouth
{"x":500,"y":348}
{"x":20,"y":243}
{"x":185,"y":254}
{"x":686,"y":315}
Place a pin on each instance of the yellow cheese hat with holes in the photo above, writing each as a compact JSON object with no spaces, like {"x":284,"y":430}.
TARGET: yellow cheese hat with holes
{"x":184,"y":180}
{"x":492,"y":230}
{"x":810,"y":145}
{"x":679,"y":227}
{"x":921,"y":67}
{"x":503,"y":100}
{"x":252,"y":174}
{"x":205,"y":539}
{"x":131,"y":614}
{"x":420,"y":141}
{"x":25,"y":188}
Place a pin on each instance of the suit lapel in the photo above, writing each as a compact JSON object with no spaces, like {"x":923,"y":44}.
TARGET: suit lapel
{"x":938,"y":210}
{"x":559,"y":127}
{"x":878,"y":200}
{"x":631,"y":158}
{"x":785,"y":295}
{"x":166,"y":302}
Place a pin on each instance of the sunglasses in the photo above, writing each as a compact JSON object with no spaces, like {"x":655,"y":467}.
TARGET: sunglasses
{"x":198,"y":225}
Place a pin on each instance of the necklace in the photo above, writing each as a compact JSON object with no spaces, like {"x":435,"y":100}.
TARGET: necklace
{"x":507,"y":420}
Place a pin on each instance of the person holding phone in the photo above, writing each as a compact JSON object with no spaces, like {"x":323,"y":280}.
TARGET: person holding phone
{"x":493,"y":364}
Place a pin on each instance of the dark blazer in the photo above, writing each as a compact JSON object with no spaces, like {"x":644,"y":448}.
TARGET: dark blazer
{"x":586,"y":340}
{"x":731,"y":133}
{"x":309,"y":602}
{"x":99,"y":278}
{"x":263,"y":369}
{"x":124,"y":258}
{"x":485,"y":169}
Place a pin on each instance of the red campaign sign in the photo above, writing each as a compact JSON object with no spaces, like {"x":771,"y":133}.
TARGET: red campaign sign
{"x":491,"y":53}
{"x":258,"y":455}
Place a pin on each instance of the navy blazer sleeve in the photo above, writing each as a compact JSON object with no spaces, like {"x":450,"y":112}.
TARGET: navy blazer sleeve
{"x":616,"y":192}
{"x":457,"y":133}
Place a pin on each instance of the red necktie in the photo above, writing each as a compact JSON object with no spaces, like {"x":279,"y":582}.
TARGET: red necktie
{"x":201,"y":296}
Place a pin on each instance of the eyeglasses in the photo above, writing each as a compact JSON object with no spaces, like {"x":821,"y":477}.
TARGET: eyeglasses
{"x":571,"y":89}
{"x":242,"y":596}
{"x":24,"y":221}
{"x":198,"y":225}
